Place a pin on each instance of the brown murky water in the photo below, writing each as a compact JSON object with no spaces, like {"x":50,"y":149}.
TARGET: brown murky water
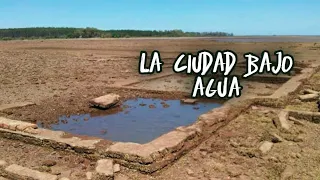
{"x":140,"y":121}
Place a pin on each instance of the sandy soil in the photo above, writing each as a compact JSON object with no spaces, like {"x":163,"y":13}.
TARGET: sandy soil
{"x":42,"y":159}
{"x":40,"y":69}
{"x":60,"y":76}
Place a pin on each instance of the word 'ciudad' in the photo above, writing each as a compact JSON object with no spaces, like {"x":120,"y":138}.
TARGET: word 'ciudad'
{"x":205,"y":63}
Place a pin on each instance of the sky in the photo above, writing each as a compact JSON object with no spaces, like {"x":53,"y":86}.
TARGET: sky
{"x":241,"y":17}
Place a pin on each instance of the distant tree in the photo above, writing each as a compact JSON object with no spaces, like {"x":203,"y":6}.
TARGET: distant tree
{"x":89,"y":32}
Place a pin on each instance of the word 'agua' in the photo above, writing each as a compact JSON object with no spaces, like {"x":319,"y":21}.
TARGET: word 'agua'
{"x":224,"y":88}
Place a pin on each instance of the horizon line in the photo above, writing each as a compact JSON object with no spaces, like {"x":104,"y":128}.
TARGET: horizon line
{"x":123,"y":29}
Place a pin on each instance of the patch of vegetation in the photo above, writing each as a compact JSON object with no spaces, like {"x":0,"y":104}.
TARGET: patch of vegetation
{"x":56,"y":32}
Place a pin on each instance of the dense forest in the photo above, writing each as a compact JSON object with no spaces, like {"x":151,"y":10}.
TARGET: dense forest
{"x":51,"y":32}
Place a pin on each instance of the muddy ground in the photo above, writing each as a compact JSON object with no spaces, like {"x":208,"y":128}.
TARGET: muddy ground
{"x":60,"y":76}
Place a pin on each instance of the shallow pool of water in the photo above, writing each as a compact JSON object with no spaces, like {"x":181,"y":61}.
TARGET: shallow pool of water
{"x":140,"y":121}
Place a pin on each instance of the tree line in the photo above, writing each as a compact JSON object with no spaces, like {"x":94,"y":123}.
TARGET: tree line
{"x":53,"y":32}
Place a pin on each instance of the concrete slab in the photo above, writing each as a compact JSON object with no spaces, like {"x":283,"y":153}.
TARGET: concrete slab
{"x":293,"y":84}
{"x":309,"y":97}
{"x":266,"y":147}
{"x":104,"y":170}
{"x":189,"y":101}
{"x":15,"y":105}
{"x":15,"y":125}
{"x":19,"y":172}
{"x":283,"y":118}
{"x":105,"y":101}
